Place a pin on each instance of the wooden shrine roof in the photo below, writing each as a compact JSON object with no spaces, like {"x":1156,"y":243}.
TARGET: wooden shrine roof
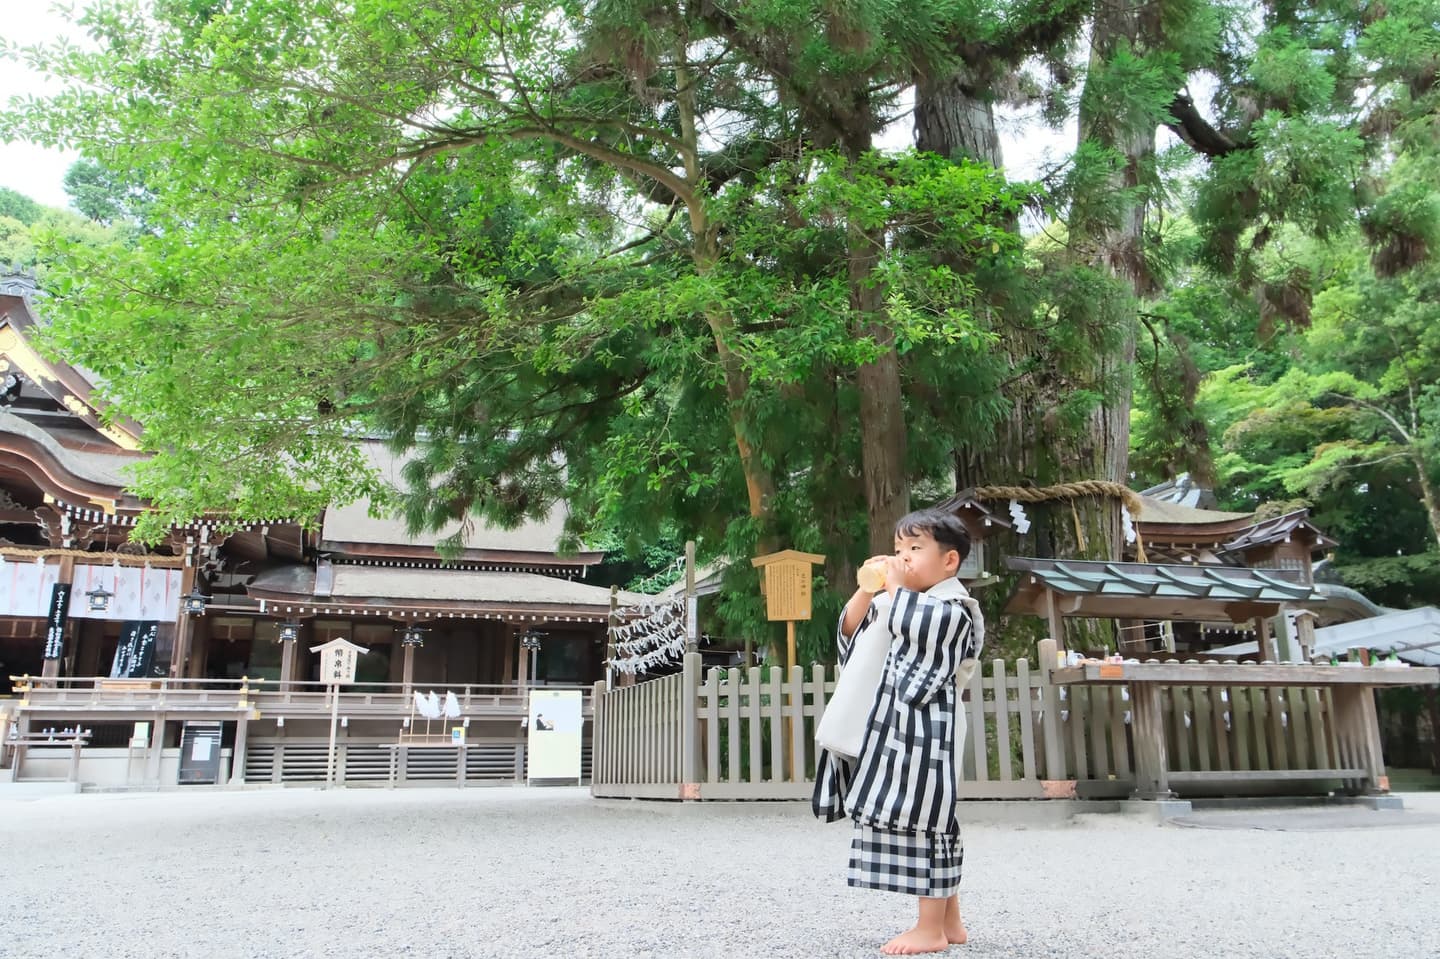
{"x":385,"y":591}
{"x":1149,"y":591}
{"x":1280,"y":529}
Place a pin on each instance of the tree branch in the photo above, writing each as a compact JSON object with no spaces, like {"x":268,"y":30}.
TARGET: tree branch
{"x":1197,"y":132}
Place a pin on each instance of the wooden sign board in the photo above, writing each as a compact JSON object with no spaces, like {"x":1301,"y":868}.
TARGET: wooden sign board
{"x":338,"y":659}
{"x":786,"y":583}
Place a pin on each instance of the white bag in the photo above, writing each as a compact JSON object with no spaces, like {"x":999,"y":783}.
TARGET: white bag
{"x":842,"y":728}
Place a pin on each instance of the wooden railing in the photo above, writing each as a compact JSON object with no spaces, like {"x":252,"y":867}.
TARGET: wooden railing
{"x":96,"y":695}
{"x":1029,"y":733}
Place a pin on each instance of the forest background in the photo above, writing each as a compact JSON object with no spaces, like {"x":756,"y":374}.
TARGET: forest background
{"x":645,"y":259}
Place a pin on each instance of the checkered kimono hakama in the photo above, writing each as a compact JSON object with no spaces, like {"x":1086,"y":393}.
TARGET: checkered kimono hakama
{"x":900,"y":791}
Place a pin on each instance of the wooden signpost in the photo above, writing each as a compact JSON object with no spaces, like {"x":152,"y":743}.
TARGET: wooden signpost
{"x":338,"y":659}
{"x":785,"y":584}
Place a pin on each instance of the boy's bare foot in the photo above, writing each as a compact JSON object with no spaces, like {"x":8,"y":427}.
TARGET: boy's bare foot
{"x":915,"y":942}
{"x":954,"y":925}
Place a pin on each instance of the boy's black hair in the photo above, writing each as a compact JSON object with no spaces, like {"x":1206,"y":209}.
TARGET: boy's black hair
{"x":945,"y":528}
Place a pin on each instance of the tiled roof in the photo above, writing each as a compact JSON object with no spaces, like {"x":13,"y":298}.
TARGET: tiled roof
{"x":1278,"y":529}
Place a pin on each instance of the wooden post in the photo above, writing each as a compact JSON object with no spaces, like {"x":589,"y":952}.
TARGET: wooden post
{"x":1057,"y":623}
{"x":790,"y":644}
{"x":611,"y":622}
{"x":185,"y":623}
{"x":1054,"y":750}
{"x":1151,"y":775}
{"x":51,"y":667}
{"x":523,"y":671}
{"x":334,"y":724}
{"x":690,"y":725}
{"x":287,"y":662}
{"x":157,"y":744}
{"x":1262,"y":638}
{"x":692,"y":628}
{"x":599,"y":730}
{"x":237,"y":756}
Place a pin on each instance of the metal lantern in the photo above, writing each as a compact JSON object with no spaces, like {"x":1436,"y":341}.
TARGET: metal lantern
{"x":99,"y":599}
{"x":289,"y":632}
{"x":413,"y":636}
{"x":195,"y":601}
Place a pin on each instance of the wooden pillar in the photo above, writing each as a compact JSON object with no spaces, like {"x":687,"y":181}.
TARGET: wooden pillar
{"x":184,"y":623}
{"x":612,"y":621}
{"x":199,"y":652}
{"x":507,"y":643}
{"x":157,"y":745}
{"x":407,"y":668}
{"x":1262,"y":638}
{"x":1052,"y":615}
{"x":522,"y":675}
{"x":237,"y":756}
{"x":1358,"y":737}
{"x":287,"y":662}
{"x":1151,"y":776}
{"x":50,"y":668}
{"x":692,"y":630}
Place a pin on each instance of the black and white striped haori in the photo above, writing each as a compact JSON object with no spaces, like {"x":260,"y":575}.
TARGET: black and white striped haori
{"x":901,"y":789}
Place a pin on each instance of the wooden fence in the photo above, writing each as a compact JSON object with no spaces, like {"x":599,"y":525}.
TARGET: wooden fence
{"x":750,"y":734}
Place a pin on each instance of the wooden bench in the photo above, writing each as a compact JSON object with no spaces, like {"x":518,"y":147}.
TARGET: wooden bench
{"x":399,"y":751}
{"x":22,"y":744}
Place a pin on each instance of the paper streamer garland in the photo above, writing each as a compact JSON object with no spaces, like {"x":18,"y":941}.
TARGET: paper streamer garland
{"x":655,"y":636}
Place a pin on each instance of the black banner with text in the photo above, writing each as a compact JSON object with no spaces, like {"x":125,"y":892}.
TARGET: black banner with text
{"x":135,"y":653}
{"x":55,"y":622}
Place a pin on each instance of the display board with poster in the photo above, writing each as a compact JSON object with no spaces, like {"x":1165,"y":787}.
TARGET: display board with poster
{"x":554,"y":722}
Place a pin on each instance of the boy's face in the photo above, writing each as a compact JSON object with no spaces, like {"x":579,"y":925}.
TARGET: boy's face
{"x":926,"y":561}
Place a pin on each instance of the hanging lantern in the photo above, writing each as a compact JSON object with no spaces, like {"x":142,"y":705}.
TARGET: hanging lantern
{"x":99,"y":598}
{"x":195,"y":601}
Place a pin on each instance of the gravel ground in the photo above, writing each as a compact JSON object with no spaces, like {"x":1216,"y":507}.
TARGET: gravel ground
{"x":552,"y":873}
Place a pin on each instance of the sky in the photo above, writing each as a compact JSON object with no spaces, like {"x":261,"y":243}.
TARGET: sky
{"x":34,"y":171}
{"x":39,"y":173}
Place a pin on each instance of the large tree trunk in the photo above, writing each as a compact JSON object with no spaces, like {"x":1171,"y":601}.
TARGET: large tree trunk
{"x":882,"y":413}
{"x":1118,"y":246}
{"x":955,"y":118}
{"x":705,"y":253}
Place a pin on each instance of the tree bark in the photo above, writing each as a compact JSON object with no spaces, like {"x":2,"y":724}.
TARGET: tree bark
{"x":955,"y":118}
{"x":1427,"y":490}
{"x":705,"y":253}
{"x":882,"y":414}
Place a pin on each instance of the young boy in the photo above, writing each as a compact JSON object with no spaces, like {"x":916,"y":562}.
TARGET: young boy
{"x":900,"y":790}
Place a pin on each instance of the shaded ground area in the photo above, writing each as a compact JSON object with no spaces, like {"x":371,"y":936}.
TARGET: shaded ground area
{"x":552,"y":873}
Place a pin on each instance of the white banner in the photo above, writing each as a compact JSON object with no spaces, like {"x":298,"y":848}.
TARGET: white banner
{"x":25,"y":588}
{"x":140,"y":593}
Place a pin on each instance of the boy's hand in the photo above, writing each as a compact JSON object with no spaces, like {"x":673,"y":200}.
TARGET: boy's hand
{"x":874,"y":561}
{"x":896,"y":572}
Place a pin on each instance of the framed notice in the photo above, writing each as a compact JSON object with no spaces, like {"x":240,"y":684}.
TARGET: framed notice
{"x":553,"y":743}
{"x":787,"y":590}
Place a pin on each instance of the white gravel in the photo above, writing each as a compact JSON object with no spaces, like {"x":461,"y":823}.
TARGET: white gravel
{"x":552,"y":873}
